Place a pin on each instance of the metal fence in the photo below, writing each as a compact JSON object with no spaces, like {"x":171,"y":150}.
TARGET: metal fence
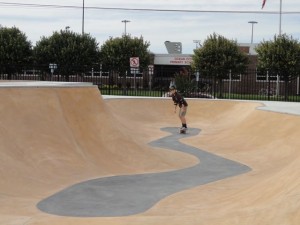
{"x":247,"y":86}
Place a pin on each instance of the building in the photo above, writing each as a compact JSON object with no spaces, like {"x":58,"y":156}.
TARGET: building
{"x":167,"y":65}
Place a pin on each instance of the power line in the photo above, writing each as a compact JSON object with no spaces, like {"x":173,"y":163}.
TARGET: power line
{"x":15,"y":4}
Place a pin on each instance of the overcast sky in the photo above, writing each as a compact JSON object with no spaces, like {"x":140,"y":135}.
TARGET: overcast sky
{"x":155,"y":26}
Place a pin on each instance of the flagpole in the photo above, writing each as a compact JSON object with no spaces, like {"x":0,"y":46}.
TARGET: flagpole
{"x":280,"y":14}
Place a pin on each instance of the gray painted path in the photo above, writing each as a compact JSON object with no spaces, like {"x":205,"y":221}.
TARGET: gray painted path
{"x":133,"y":194}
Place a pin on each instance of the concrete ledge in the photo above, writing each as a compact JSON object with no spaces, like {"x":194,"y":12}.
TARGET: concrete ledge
{"x":39,"y":84}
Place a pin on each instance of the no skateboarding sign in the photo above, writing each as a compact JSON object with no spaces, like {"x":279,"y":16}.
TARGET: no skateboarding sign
{"x":134,"y":62}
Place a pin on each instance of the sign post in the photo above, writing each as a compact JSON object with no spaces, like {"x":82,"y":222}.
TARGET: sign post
{"x":134,"y":65}
{"x":52,"y":67}
{"x":150,"y":72}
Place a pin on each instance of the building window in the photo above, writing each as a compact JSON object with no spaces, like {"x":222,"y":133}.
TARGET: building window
{"x":233,"y":77}
{"x":265,"y":75}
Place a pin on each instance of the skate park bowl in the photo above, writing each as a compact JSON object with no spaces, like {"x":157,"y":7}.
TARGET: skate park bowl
{"x":69,"y":155}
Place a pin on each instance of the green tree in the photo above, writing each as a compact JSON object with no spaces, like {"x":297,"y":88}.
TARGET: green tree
{"x":15,"y":50}
{"x":73,"y":53}
{"x":116,"y":52}
{"x":280,"y":56}
{"x":184,"y":83}
{"x":218,"y":57}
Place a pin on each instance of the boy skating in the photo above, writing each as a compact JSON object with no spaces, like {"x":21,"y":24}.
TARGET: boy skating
{"x":181,"y":102}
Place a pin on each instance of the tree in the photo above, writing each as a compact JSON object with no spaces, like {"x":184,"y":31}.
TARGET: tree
{"x":116,"y":52}
{"x":15,"y":50}
{"x":184,"y":83}
{"x":218,"y":57}
{"x":73,"y":53}
{"x":280,"y":57}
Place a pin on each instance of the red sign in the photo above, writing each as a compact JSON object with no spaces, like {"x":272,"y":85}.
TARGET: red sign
{"x":134,"y":62}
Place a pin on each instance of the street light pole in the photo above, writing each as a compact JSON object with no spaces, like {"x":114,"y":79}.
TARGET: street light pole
{"x":125,"y":22}
{"x":280,"y":16}
{"x":197,"y":42}
{"x":82,"y":17}
{"x":252,"y":22}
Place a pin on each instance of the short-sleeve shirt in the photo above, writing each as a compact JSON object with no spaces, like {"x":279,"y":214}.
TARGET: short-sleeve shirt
{"x":179,"y":100}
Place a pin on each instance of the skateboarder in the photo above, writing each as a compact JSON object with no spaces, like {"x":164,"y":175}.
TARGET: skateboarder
{"x":181,"y":102}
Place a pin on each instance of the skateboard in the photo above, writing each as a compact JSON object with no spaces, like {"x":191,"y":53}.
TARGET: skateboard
{"x":182,"y":131}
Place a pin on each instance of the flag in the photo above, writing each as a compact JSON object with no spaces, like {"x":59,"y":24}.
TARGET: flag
{"x":263,"y":4}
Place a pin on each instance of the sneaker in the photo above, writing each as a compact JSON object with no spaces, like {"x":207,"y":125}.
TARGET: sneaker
{"x":183,"y":129}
